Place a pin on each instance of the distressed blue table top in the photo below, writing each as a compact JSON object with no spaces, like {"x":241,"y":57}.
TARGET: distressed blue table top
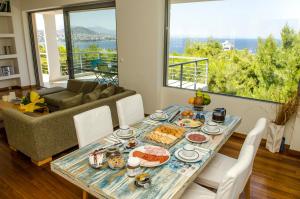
{"x":168,"y":181}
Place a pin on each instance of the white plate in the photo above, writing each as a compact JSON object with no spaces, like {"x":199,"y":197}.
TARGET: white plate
{"x":189,"y":158}
{"x":188,"y":123}
{"x":184,"y":159}
{"x":149,"y":164}
{"x":129,"y":135}
{"x":215,"y":132}
{"x":163,"y":118}
{"x":197,"y":142}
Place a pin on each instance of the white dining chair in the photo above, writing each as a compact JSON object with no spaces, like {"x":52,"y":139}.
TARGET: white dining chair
{"x":130,"y":110}
{"x":93,"y":125}
{"x":232,"y":183}
{"x":213,"y":173}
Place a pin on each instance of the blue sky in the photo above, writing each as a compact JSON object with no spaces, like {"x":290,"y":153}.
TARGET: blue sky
{"x":234,"y":18}
{"x":103,"y":18}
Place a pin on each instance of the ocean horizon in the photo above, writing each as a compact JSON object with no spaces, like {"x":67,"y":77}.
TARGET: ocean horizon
{"x":177,"y":45}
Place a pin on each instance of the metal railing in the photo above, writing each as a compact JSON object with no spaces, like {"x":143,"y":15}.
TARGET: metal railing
{"x":82,"y":60}
{"x":188,"y":72}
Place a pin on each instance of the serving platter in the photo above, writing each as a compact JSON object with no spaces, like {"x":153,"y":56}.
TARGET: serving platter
{"x":188,"y":123}
{"x":151,"y":156}
{"x":164,"y":135}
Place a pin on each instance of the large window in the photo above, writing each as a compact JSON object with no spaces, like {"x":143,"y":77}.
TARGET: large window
{"x":242,"y":48}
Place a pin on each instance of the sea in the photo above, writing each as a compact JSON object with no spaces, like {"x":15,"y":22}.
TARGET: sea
{"x":177,"y":45}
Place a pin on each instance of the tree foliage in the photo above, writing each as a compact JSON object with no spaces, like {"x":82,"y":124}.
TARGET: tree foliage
{"x":272,"y":73}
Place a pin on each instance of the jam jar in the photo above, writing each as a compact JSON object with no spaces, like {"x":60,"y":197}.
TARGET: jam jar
{"x":114,"y":158}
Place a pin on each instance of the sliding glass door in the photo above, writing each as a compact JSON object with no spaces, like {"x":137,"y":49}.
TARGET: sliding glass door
{"x":91,"y":42}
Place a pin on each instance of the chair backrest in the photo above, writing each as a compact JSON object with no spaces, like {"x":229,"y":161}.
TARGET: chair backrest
{"x":235,"y":179}
{"x":130,"y":110}
{"x":93,"y":125}
{"x":255,"y":135}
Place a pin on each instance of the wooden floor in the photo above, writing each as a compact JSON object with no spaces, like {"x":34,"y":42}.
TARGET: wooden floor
{"x":274,"y":175}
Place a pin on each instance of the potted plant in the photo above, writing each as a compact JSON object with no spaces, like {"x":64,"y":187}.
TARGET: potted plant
{"x":276,"y":127}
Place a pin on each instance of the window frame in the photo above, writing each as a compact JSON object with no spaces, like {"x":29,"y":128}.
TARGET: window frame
{"x":166,"y":60}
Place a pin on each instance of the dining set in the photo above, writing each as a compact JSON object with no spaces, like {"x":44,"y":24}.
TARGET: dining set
{"x":171,"y":153}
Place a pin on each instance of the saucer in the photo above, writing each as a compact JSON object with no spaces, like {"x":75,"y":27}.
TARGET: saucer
{"x":217,"y":131}
{"x":130,"y":134}
{"x":160,"y":118}
{"x":197,"y":158}
{"x":193,"y":157}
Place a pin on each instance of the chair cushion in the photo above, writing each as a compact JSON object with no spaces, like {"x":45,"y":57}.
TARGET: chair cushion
{"x":71,"y":102}
{"x":214,"y":172}
{"x":55,"y":98}
{"x":109,"y":91}
{"x":88,"y":87}
{"x":94,"y":95}
{"x":195,"y":191}
{"x":74,"y":85}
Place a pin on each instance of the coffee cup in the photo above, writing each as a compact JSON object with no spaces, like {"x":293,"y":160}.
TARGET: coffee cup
{"x":5,"y":98}
{"x":211,"y":126}
{"x":188,"y":150}
{"x":124,"y":129}
{"x":12,"y":96}
{"x":159,"y":113}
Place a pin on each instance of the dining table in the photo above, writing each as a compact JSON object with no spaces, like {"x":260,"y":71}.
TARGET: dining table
{"x":167,"y":181}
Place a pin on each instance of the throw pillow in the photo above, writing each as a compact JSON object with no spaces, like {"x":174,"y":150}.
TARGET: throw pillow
{"x":88,"y":87}
{"x":109,"y":91}
{"x":119,"y":89}
{"x":71,"y":102}
{"x":94,"y":95}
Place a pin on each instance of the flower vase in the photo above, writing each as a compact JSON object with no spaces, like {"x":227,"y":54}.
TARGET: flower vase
{"x":274,"y":137}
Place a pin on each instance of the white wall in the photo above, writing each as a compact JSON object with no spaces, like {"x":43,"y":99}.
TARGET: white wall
{"x":140,"y":25}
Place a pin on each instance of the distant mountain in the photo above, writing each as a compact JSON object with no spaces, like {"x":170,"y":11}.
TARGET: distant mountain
{"x":83,"y":30}
{"x":102,"y":30}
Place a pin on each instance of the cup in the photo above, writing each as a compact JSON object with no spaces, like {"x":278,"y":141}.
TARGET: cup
{"x":159,"y":113}
{"x":124,"y":130}
{"x":211,"y":126}
{"x":188,"y":150}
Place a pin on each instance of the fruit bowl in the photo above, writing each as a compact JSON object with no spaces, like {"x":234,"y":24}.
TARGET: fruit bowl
{"x":199,"y":101}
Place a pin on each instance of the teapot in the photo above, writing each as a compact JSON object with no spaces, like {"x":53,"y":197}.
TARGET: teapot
{"x":219,"y":115}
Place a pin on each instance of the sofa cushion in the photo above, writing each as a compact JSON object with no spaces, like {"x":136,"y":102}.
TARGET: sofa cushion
{"x":88,"y":87}
{"x":55,"y":98}
{"x":94,"y":95}
{"x":47,"y":91}
{"x":71,"y":101}
{"x":74,"y":85}
{"x":109,"y":91}
{"x":119,"y":89}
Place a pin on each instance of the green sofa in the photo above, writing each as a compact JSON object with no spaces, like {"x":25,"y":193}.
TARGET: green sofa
{"x":42,"y":137}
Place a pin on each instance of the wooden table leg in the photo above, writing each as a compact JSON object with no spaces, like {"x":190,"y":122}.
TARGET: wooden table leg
{"x":85,"y":195}
{"x":41,"y":162}
{"x":247,"y":189}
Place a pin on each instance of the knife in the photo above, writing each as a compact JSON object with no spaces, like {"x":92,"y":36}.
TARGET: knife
{"x":174,"y":116}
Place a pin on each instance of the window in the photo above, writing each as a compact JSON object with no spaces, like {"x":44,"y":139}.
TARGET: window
{"x":243,"y":48}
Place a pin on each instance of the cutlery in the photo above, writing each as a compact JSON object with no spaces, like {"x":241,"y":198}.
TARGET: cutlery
{"x":174,"y":116}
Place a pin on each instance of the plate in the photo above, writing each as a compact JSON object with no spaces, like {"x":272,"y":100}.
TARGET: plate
{"x":194,"y":140}
{"x":189,"y":123}
{"x":215,"y":132}
{"x":161,"y":118}
{"x":151,"y":156}
{"x":130,"y":134}
{"x":184,"y":159}
{"x":194,"y":157}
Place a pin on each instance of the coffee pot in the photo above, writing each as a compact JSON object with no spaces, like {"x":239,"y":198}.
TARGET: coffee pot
{"x":219,"y":115}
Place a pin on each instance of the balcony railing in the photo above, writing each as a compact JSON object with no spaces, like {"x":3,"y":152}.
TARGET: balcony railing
{"x":188,"y":72}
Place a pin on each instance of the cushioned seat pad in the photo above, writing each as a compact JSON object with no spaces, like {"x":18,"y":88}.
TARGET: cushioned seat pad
{"x":55,"y":98}
{"x":213,"y":173}
{"x":195,"y":191}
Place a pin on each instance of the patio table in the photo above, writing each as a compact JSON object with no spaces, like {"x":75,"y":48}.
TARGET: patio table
{"x":167,"y":181}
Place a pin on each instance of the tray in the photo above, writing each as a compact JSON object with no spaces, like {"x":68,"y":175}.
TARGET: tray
{"x":157,"y":143}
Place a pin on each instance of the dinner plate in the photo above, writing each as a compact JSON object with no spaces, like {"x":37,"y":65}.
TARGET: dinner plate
{"x":178,"y":155}
{"x":215,"y":132}
{"x":160,"y":118}
{"x":188,"y":123}
{"x":151,"y":150}
{"x":130,"y":134}
{"x":195,"y":141}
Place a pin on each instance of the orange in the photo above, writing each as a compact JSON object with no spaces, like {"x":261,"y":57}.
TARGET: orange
{"x":191,"y":100}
